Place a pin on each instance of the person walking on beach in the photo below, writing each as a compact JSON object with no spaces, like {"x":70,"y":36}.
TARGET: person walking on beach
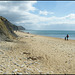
{"x":67,"y":36}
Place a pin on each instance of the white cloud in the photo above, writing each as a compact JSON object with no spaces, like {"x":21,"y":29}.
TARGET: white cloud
{"x":18,"y":5}
{"x":16,"y":9}
{"x":45,"y":12}
{"x":70,"y":16}
{"x":39,"y":21}
{"x":19,"y":13}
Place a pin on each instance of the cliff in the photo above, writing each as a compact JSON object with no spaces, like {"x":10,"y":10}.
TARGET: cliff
{"x":14,"y":27}
{"x":21,"y":28}
{"x":6,"y":30}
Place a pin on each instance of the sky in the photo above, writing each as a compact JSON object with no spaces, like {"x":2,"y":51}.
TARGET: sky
{"x":40,"y":15}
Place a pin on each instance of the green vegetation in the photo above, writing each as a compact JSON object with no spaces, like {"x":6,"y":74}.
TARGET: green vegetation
{"x":6,"y":30}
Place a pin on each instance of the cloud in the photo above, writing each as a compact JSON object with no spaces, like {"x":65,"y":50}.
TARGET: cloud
{"x":16,"y":11}
{"x":39,"y":22}
{"x":19,"y":14}
{"x":45,"y":12}
{"x":70,"y":16}
{"x":19,"y":5}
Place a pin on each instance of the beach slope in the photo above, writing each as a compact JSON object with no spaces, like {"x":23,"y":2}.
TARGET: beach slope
{"x":35,"y":54}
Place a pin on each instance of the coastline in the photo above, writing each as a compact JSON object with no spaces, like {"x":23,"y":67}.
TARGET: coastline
{"x":48,"y":36}
{"x":53,"y":33}
{"x":35,"y":54}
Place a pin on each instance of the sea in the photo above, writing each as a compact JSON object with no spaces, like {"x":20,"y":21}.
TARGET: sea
{"x":53,"y":33}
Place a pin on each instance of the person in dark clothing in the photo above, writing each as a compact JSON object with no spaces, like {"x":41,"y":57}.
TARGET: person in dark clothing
{"x":67,"y":36}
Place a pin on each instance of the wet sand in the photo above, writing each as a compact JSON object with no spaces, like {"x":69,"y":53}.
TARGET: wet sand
{"x":35,"y":54}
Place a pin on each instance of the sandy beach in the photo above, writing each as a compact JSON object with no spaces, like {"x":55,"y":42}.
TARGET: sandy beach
{"x":35,"y":54}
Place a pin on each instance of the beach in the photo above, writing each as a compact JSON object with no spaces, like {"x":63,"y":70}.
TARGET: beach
{"x":35,"y":54}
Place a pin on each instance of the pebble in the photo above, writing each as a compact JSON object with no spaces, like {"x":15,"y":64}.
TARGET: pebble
{"x":22,"y":66}
{"x":29,"y":69}
{"x":15,"y":70}
{"x":31,"y":63}
{"x":16,"y":64}
{"x":65,"y":61}
{"x":38,"y":70}
{"x":19,"y":73}
{"x":36,"y":62}
{"x":2,"y":66}
{"x":24,"y":58}
{"x":25,"y":62}
{"x":1,"y":71}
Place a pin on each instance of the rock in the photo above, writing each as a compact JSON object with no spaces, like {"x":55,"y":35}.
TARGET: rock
{"x":38,"y":70}
{"x":29,"y":69}
{"x":26,"y":53}
{"x":15,"y":70}
{"x":33,"y":58}
{"x":22,"y":66}
{"x":16,"y":64}
{"x":65,"y":61}
{"x":36,"y":62}
{"x":20,"y":59}
{"x":31,"y":63}
{"x":25,"y":62}
{"x":2,"y":67}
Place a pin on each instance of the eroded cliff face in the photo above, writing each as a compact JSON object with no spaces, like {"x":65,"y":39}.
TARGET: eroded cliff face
{"x":21,"y":28}
{"x":6,"y":30}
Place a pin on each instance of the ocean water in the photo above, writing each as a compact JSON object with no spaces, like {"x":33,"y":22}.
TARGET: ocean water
{"x":53,"y":33}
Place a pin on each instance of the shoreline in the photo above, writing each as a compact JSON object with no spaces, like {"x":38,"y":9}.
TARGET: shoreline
{"x":47,"y":36}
